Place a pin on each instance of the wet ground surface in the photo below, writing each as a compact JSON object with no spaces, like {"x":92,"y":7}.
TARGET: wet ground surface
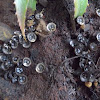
{"x":58,"y":82}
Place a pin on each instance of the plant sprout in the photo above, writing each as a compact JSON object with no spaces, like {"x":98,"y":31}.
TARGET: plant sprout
{"x":80,"y":7}
{"x":21,"y":8}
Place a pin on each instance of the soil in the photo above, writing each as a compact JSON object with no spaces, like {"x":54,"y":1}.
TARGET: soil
{"x":58,"y":82}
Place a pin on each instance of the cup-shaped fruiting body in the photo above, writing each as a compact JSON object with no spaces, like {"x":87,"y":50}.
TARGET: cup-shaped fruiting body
{"x":4,"y":67}
{"x":98,"y":36}
{"x":21,"y":39}
{"x":93,"y":46}
{"x":51,"y":27}
{"x":14,"y":44}
{"x":89,"y":55}
{"x":91,"y":78}
{"x":9,"y":63}
{"x":26,"y":44}
{"x":32,"y":28}
{"x":84,"y":77}
{"x":39,"y":16}
{"x":14,"y":79}
{"x":88,"y":84}
{"x":22,"y":79}
{"x":31,"y":37}
{"x":82,"y":39}
{"x":98,"y":12}
{"x":90,"y":63}
{"x":6,"y":76}
{"x":78,"y":49}
{"x":73,"y":43}
{"x":3,"y":57}
{"x":26,"y":62}
{"x":87,"y":68}
{"x":15,"y":38}
{"x":15,"y":59}
{"x":80,"y":20}
{"x":18,"y":70}
{"x":20,"y":62}
{"x":31,"y":17}
{"x":85,"y":53}
{"x":82,"y":62}
{"x":40,"y":68}
{"x":17,"y":33}
{"x":6,"y":49}
{"x":12,"y":76}
{"x":31,"y":21}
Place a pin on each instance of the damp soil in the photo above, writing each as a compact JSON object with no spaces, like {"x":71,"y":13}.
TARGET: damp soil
{"x":58,"y":82}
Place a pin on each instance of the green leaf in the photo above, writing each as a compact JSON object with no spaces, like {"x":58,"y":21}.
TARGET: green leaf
{"x":80,"y":7}
{"x":21,"y":8}
{"x":32,"y":4}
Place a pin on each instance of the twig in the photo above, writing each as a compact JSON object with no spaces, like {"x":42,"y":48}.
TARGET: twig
{"x":70,"y":59}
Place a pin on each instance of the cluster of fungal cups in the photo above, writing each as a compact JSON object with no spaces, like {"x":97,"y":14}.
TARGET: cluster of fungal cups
{"x":37,"y":24}
{"x":81,"y":21}
{"x":12,"y":67}
{"x":84,"y":49}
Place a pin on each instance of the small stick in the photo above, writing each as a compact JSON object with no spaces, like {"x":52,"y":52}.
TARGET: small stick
{"x":70,"y":59}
